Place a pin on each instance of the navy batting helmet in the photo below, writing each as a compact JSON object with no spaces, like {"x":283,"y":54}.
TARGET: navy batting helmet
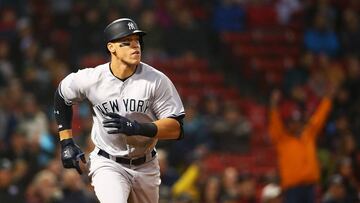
{"x":121,"y":28}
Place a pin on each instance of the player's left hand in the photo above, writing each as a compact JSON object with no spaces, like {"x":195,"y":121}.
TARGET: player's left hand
{"x":118,"y":124}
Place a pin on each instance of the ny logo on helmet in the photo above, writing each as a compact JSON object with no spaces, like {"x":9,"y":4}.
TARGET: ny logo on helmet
{"x":131,"y":26}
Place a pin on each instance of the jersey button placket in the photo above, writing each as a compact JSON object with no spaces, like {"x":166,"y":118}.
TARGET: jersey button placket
{"x":121,"y":90}
{"x":121,"y":94}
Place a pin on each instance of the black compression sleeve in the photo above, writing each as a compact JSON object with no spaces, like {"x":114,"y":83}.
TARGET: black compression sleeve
{"x":63,"y":112}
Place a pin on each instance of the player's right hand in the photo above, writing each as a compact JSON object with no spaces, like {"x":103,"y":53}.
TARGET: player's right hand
{"x":71,"y":154}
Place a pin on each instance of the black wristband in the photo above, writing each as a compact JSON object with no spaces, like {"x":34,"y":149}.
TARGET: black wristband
{"x":66,"y":142}
{"x":147,"y":129}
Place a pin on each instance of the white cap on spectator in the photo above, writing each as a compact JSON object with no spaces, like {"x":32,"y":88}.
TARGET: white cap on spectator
{"x":270,"y":191}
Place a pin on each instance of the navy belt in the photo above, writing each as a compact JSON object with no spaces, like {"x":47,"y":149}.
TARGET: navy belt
{"x":122,"y":160}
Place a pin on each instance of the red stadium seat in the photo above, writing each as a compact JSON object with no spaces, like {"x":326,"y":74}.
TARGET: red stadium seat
{"x":261,"y":16}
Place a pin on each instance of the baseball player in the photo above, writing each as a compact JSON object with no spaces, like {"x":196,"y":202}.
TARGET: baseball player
{"x":134,"y":105}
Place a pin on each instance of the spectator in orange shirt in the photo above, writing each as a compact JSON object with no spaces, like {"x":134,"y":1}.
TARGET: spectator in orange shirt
{"x":295,"y":143}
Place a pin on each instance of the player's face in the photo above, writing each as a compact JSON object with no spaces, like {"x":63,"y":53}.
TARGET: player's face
{"x":128,"y":49}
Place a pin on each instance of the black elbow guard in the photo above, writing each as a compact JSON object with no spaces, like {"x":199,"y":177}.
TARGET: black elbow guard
{"x":63,"y":112}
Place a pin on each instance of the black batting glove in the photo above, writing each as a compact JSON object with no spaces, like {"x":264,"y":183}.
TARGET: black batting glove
{"x":119,"y":124}
{"x":71,"y":154}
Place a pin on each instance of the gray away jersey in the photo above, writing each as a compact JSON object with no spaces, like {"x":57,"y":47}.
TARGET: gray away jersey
{"x":146,"y":96}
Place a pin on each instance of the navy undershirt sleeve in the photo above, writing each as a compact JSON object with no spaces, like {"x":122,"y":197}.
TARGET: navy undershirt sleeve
{"x":63,"y":112}
{"x":180,"y":119}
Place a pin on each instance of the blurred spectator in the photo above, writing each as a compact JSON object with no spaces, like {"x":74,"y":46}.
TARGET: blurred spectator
{"x":211,"y":190}
{"x":320,"y":38}
{"x":295,"y":142}
{"x":154,"y":47}
{"x":25,"y":162}
{"x":37,"y":80}
{"x":61,"y":9}
{"x":297,"y":103}
{"x":58,"y":70}
{"x":6,"y":67}
{"x":4,"y":122}
{"x":55,"y":167}
{"x":350,"y":31}
{"x":229,"y":15}
{"x":352,"y":83}
{"x":44,"y":189}
{"x":233,"y":132}
{"x":211,"y":111}
{"x":271,"y":193}
{"x":14,"y":92}
{"x":229,"y":184}
{"x":8,"y":191}
{"x":165,"y":13}
{"x":325,"y":7}
{"x":189,"y":36}
{"x":187,"y":184}
{"x":345,"y":168}
{"x":348,"y":148}
{"x":336,"y":191}
{"x":168,"y":175}
{"x":353,"y":4}
{"x":342,"y":128}
{"x":92,"y":42}
{"x":352,"y":88}
{"x":8,"y":20}
{"x":327,"y":71}
{"x":197,"y":136}
{"x":247,"y":188}
{"x":73,"y":189}
{"x":133,"y":8}
{"x":298,"y":75}
{"x":35,"y":125}
{"x":28,"y":46}
{"x":33,"y":122}
{"x":286,"y":9}
{"x":343,"y":107}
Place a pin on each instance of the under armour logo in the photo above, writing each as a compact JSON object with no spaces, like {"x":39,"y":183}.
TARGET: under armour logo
{"x":128,"y":124}
{"x":131,"y":26}
{"x":67,"y":154}
{"x":56,"y":112}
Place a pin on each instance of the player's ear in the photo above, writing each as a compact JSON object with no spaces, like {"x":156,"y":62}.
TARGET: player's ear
{"x":111,"y":47}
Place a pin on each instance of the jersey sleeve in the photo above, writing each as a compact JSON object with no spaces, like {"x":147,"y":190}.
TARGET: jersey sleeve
{"x":167,"y":102}
{"x":71,"y":88}
{"x":318,"y":119}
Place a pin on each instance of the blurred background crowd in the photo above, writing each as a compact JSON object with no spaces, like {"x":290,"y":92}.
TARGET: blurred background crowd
{"x":224,"y":56}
